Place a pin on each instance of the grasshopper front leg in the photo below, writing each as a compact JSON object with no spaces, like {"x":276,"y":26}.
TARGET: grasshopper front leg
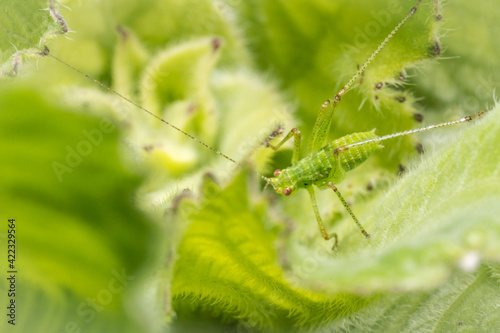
{"x":321,"y":226}
{"x":296,"y":144}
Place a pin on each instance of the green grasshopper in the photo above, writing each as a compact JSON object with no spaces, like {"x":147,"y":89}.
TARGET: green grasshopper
{"x":326,"y":163}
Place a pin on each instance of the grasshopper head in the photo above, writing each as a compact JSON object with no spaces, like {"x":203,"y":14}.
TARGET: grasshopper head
{"x":281,"y":184}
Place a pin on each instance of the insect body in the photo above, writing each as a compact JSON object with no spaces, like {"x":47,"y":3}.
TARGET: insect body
{"x":326,"y":165}
{"x":325,"y":168}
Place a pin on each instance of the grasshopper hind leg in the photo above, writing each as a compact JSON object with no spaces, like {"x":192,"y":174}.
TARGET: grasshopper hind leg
{"x":334,"y":188}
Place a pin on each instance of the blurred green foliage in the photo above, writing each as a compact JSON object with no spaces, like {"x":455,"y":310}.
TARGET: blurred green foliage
{"x":226,"y":255}
{"x":63,"y":182}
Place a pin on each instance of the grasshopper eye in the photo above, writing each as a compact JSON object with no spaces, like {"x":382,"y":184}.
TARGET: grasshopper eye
{"x":287,"y":191}
{"x":277,"y":172}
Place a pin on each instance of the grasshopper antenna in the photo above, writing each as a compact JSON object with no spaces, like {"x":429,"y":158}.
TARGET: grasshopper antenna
{"x":323,"y":122}
{"x":416,"y":130}
{"x":143,"y":109}
{"x":45,"y":52}
{"x":374,"y":54}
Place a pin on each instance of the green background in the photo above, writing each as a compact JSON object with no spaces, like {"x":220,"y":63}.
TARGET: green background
{"x":225,"y":254}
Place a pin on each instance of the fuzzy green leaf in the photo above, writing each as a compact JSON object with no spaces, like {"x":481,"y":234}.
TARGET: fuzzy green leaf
{"x":467,"y":76}
{"x":79,"y":240}
{"x":226,"y":269}
{"x":428,"y":222}
{"x":431,"y":230}
{"x":26,"y":28}
{"x":466,"y":302}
